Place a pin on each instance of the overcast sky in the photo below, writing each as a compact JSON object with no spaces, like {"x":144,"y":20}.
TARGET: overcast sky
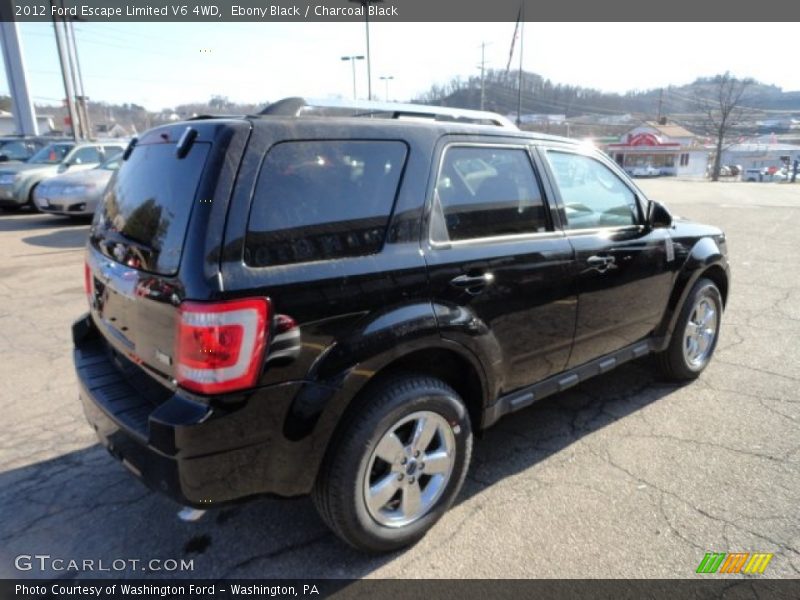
{"x":161,"y":65}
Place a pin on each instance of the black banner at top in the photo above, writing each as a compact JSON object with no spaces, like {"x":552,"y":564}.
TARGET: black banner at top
{"x":396,"y":10}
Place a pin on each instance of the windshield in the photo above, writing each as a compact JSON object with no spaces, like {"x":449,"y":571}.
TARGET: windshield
{"x":51,"y":155}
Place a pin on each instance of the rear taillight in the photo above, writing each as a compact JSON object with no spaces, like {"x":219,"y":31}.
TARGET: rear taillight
{"x":87,"y":280}
{"x":220,"y":345}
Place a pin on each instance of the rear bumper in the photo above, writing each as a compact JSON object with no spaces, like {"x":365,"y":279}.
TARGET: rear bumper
{"x":199,"y":453}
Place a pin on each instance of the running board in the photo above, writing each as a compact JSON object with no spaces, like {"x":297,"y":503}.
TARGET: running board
{"x":558,"y":383}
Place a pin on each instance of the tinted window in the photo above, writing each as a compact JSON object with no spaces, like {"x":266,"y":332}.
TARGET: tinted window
{"x":86,"y":156}
{"x":142,"y":220}
{"x":321,"y":200}
{"x":593,"y":195}
{"x":487,"y":192}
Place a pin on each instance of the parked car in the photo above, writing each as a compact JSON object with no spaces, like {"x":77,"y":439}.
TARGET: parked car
{"x":18,"y":180}
{"x":292,"y":304}
{"x":20,"y":148}
{"x":752,"y":175}
{"x":645,"y":171}
{"x":75,"y":194}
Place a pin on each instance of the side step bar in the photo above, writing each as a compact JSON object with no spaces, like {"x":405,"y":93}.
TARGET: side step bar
{"x":558,"y":383}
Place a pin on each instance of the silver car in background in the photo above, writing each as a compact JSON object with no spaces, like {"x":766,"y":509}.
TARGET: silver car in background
{"x":19,"y":180}
{"x":75,"y":194}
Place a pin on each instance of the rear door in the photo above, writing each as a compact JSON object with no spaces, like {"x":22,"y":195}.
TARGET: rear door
{"x":621,"y":266}
{"x":498,"y":268}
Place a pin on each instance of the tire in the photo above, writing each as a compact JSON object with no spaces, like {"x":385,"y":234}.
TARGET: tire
{"x":690,"y":348}
{"x":353,"y":465}
{"x":31,"y":204}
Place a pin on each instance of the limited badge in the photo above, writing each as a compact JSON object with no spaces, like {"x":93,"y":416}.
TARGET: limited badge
{"x":670,"y":249}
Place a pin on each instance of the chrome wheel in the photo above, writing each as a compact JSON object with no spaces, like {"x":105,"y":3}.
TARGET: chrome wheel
{"x":701,"y":332}
{"x":409,"y":469}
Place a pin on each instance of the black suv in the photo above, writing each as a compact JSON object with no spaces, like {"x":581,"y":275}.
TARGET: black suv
{"x":333,"y":300}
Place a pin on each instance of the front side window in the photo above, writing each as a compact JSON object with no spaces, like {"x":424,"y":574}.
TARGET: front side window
{"x":486,"y":192}
{"x":320,"y":200}
{"x":593,"y":195}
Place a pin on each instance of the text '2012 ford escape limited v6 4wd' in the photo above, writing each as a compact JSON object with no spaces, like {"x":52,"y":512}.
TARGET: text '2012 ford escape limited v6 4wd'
{"x":331,"y":300}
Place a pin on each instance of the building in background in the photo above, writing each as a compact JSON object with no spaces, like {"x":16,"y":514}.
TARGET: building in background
{"x":8,"y":125}
{"x":761,"y":155}
{"x":668,"y":147}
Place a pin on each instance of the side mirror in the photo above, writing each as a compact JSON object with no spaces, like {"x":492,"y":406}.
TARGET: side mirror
{"x":658,"y":216}
{"x":3,"y":158}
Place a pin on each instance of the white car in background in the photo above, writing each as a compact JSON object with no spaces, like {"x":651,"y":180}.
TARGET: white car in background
{"x":645,"y":171}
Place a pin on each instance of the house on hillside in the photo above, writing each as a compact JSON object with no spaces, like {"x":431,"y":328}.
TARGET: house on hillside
{"x":669,"y":147}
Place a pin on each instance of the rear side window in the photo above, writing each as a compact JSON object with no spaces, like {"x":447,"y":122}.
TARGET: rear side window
{"x":143,"y":217}
{"x":319,"y":200}
{"x":87,"y":155}
{"x":486,"y":192}
{"x":112,"y":151}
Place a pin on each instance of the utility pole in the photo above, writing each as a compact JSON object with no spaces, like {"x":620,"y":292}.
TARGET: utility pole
{"x":24,"y":112}
{"x":83,"y":108}
{"x":483,"y":70}
{"x":660,"y":103}
{"x":369,"y":62}
{"x":521,"y":52}
{"x":73,"y":117}
{"x":365,"y":5}
{"x":73,"y":79}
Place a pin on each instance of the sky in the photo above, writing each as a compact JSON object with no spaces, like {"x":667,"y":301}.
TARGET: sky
{"x":161,"y":65}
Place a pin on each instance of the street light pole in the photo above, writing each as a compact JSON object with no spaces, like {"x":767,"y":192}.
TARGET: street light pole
{"x":353,"y":60}
{"x":386,"y":79}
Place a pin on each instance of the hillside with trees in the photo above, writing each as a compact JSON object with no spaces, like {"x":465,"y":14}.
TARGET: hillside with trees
{"x":541,"y":96}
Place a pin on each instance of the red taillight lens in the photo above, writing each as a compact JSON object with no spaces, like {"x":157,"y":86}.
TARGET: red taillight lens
{"x":220,"y":346}
{"x":87,"y":279}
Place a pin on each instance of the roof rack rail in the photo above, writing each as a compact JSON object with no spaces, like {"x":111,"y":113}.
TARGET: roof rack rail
{"x":296,"y":107}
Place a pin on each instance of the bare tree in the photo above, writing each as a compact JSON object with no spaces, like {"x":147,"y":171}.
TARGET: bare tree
{"x":723,"y":112}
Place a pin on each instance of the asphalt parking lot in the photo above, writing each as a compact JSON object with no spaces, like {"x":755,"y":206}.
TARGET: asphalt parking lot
{"x":623,"y":476}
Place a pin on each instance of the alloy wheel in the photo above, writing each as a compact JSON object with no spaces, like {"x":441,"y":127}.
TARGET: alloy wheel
{"x":409,"y":469}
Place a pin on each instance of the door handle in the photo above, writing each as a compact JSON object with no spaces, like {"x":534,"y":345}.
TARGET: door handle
{"x":601,"y":263}
{"x":472,"y":284}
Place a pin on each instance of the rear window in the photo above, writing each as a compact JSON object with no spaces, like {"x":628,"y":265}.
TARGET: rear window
{"x":319,"y":200}
{"x":143,"y":218}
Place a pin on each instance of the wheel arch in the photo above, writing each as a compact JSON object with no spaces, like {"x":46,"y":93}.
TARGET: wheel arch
{"x":706,"y":259}
{"x":448,"y":361}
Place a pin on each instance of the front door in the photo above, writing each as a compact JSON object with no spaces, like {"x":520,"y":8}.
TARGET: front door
{"x":499,"y":272}
{"x":622,"y":267}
